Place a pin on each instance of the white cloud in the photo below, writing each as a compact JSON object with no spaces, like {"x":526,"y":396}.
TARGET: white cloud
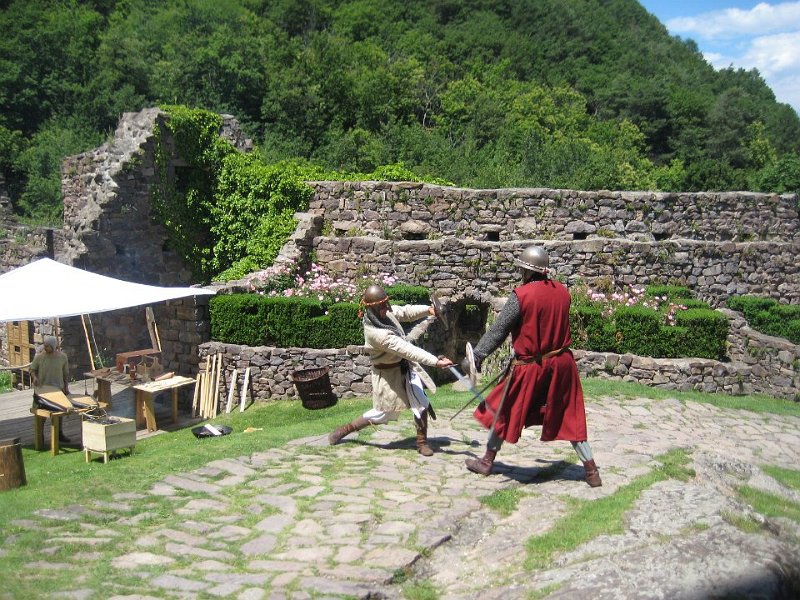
{"x":787,"y":89}
{"x":717,"y":60}
{"x":774,"y":54}
{"x":734,"y":22}
{"x":766,"y":38}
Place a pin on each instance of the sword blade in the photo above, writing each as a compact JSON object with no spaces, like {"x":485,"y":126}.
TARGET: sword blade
{"x":476,"y":395}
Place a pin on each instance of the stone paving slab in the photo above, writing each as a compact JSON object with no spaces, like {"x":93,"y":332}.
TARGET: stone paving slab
{"x":364,"y":518}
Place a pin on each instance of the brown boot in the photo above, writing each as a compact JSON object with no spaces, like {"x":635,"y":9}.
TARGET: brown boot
{"x":482,"y":466}
{"x":337,"y":434}
{"x":592,"y":474}
{"x":422,"y":435}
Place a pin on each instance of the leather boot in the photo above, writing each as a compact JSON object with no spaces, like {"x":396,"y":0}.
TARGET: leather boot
{"x":422,"y":435}
{"x":592,"y":474}
{"x":482,"y":466}
{"x":337,"y":434}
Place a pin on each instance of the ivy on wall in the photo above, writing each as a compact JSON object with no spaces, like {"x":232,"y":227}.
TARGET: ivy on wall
{"x":228,"y":213}
{"x":225,"y":212}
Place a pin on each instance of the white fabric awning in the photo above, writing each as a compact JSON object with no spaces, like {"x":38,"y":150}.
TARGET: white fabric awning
{"x":46,"y":289}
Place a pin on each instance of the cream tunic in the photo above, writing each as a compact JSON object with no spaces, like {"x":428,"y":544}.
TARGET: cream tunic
{"x":386,"y":347}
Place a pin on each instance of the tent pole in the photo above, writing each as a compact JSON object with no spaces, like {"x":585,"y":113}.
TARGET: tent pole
{"x":88,"y":344}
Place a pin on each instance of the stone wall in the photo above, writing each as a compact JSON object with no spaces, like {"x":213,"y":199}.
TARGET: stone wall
{"x":713,"y":270}
{"x":409,"y":210}
{"x":460,"y":243}
{"x":716,"y":244}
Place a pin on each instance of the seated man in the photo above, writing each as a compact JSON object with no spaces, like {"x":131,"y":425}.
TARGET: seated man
{"x":50,"y":368}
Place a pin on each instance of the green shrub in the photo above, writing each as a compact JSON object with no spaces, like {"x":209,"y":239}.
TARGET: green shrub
{"x":340,"y":328}
{"x":289,"y":320}
{"x":409,"y":294}
{"x":707,"y":332}
{"x":238,"y":319}
{"x":639,"y":328}
{"x":591,"y":330}
{"x":693,"y":303}
{"x":769,"y":317}
{"x":672,"y":342}
{"x":698,"y":332}
{"x":295,"y":321}
{"x":788,"y":312}
{"x":750,"y":305}
{"x":255,"y":320}
{"x":793,"y":331}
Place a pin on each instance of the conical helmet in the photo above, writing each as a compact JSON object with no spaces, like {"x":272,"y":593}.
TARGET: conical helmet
{"x":373,"y":296}
{"x":534,"y":258}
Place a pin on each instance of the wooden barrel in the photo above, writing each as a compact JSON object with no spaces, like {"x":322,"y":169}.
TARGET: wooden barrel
{"x":12,"y":470}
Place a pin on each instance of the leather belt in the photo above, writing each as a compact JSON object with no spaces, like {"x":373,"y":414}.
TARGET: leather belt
{"x":388,"y":365}
{"x":539,"y":358}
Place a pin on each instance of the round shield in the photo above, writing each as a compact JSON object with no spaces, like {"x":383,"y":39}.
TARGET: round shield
{"x":472,"y":374}
{"x":438,"y":311}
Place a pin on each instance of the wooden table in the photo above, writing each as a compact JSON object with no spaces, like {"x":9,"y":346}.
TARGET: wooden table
{"x":41,"y":414}
{"x":143,"y":399}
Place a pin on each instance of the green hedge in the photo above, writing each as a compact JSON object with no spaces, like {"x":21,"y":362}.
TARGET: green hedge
{"x":257,"y":320}
{"x":767,"y":316}
{"x":707,"y":332}
{"x":591,"y":330}
{"x":698,"y":332}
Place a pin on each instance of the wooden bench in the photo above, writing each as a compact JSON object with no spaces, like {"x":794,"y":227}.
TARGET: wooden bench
{"x":39,"y":417}
{"x":57,"y":398}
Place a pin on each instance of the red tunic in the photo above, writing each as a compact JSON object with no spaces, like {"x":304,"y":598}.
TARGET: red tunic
{"x":547,"y":394}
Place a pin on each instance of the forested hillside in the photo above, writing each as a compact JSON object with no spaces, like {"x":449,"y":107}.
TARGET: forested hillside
{"x":585,"y":94}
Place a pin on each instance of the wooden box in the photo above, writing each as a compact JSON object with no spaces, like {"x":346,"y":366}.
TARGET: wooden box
{"x":135,"y":357}
{"x":105,"y":438}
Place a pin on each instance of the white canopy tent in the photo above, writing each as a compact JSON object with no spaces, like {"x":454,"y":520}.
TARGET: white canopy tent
{"x":46,"y":289}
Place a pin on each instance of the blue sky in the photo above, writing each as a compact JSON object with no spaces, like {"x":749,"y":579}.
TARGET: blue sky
{"x":744,"y":34}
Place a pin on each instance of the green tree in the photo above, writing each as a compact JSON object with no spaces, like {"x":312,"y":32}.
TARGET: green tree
{"x":40,"y":163}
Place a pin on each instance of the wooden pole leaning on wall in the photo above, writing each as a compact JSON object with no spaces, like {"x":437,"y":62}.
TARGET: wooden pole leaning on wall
{"x":231,"y":390}
{"x":245,"y":385}
{"x":196,"y":395}
{"x":152,"y":328}
{"x":204,"y":389}
{"x":209,"y":384}
{"x":213,"y":388}
{"x":215,"y":407}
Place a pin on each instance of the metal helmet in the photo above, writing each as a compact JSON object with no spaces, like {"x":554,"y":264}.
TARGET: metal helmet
{"x":534,"y":258}
{"x":373,"y":296}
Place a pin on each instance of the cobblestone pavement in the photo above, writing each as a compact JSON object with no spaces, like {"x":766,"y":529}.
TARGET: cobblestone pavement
{"x":370,"y":516}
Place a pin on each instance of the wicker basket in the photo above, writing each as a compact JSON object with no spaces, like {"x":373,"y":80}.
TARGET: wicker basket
{"x":314,"y":387}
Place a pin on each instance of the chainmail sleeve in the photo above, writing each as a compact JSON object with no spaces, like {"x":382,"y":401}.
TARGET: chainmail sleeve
{"x":491,"y":340}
